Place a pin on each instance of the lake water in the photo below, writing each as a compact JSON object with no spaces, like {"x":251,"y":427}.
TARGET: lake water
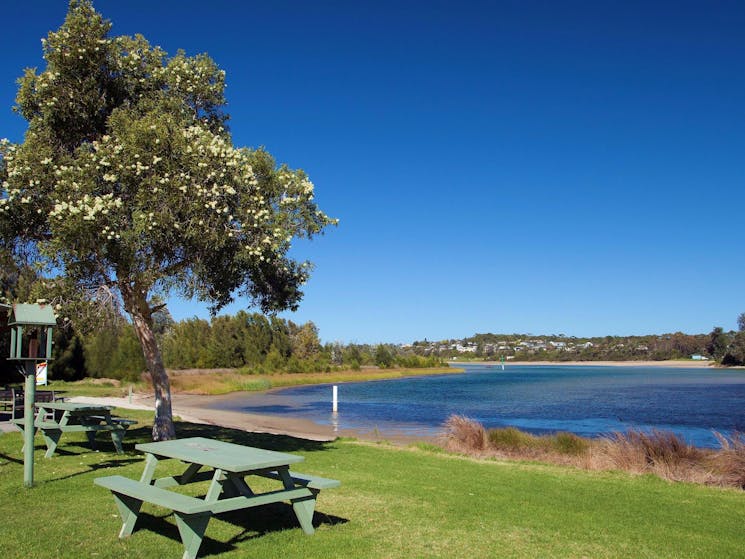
{"x":589,"y":401}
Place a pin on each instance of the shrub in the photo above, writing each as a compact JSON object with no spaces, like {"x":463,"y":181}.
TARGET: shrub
{"x":510,"y":438}
{"x":569,"y":443}
{"x":463,"y":434}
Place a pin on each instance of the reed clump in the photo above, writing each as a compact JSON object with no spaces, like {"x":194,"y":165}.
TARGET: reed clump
{"x":465,"y":435}
{"x":660,"y":453}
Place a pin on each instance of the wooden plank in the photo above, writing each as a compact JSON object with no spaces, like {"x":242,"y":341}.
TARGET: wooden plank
{"x":155,"y":495}
{"x":314,"y":482}
{"x":73,"y":407}
{"x":237,"y":503}
{"x":229,"y":457}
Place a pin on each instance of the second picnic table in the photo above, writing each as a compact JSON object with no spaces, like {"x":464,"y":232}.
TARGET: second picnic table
{"x":228,"y":466}
{"x":55,"y":418}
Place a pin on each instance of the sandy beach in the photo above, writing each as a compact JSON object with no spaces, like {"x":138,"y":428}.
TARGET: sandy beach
{"x":195,"y":409}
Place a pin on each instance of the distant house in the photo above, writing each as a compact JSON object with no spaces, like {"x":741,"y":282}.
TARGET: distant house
{"x":699,"y":357}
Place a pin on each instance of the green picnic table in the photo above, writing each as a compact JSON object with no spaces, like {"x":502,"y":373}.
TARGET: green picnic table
{"x":228,"y":467}
{"x":55,"y":418}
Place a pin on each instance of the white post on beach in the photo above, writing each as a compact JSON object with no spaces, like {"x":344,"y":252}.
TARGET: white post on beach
{"x":335,"y":399}
{"x":130,"y":393}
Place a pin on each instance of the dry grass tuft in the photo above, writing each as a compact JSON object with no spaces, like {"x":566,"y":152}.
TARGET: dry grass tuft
{"x":660,"y":453}
{"x":464,"y":435}
{"x":729,"y":462}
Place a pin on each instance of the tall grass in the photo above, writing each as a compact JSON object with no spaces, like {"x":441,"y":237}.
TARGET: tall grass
{"x":659,"y":452}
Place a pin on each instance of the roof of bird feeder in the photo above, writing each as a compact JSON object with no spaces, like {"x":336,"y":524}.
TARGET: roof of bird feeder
{"x":32,"y":313}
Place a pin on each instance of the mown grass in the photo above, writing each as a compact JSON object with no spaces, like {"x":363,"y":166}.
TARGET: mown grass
{"x":394,"y":503}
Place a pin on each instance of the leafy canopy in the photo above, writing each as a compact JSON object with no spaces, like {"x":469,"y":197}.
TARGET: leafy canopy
{"x":127,"y":176}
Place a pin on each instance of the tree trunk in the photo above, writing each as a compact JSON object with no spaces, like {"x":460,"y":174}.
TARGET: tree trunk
{"x":136,"y":305}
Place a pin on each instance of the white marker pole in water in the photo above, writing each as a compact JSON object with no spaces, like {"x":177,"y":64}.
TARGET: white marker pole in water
{"x":335,"y":399}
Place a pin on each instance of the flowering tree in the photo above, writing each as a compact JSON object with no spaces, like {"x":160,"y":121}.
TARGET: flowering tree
{"x":127,"y":181}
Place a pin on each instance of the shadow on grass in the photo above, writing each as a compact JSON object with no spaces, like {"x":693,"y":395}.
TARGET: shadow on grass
{"x":103,"y":465}
{"x":11,"y":459}
{"x":255,"y":522}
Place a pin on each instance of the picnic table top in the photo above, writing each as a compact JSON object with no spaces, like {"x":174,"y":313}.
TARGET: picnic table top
{"x":229,"y":457}
{"x":73,"y":406}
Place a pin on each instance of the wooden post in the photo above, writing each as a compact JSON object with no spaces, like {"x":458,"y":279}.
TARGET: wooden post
{"x":29,"y":396}
{"x":335,"y":399}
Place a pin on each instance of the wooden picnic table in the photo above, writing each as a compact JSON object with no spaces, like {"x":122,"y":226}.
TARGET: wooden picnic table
{"x":227,"y":467}
{"x":55,"y":418}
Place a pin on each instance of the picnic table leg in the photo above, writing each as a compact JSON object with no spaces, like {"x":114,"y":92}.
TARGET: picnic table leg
{"x":147,"y":474}
{"x":51,"y":438}
{"x":117,"y":435}
{"x":304,"y":507}
{"x":216,"y":486}
{"x":191,"y":527}
{"x":241,"y":486}
{"x":91,"y":439}
{"x":129,"y":508}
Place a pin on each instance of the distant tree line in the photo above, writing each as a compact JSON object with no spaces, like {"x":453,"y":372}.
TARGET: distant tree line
{"x":725,"y":348}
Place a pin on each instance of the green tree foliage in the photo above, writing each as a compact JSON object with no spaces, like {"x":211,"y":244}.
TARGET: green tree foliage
{"x":113,"y":351}
{"x":718,"y":343}
{"x":383,"y":357}
{"x":128,"y":180}
{"x":304,"y":341}
{"x":185,"y":344}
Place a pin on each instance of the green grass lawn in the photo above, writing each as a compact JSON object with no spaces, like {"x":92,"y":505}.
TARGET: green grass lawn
{"x":393,"y":502}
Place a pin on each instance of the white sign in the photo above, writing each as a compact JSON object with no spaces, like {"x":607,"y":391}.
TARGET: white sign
{"x":41,"y":373}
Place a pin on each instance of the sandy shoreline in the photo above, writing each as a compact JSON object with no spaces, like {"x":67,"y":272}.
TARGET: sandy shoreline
{"x":196,"y":409}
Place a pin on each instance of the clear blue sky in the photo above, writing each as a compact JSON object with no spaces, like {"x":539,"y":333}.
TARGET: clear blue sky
{"x":543,"y":167}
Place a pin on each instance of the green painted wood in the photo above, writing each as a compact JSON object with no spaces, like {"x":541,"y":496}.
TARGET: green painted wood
{"x":174,"y":481}
{"x":33,"y":314}
{"x":28,"y":426}
{"x":313,"y":482}
{"x":304,"y":509}
{"x":129,"y":509}
{"x":155,"y":495}
{"x":191,"y":528}
{"x":218,"y":454}
{"x":237,"y":503}
{"x":92,"y":409}
{"x":75,"y":428}
{"x":147,"y":474}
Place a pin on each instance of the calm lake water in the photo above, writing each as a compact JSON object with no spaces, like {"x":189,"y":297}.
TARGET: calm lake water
{"x":589,"y":401}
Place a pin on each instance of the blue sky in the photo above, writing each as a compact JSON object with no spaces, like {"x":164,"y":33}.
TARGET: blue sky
{"x":541,"y":167}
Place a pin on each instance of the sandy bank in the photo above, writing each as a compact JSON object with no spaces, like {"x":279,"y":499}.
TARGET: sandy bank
{"x":194,"y":408}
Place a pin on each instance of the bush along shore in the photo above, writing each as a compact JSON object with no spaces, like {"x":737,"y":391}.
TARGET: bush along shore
{"x":661,"y":453}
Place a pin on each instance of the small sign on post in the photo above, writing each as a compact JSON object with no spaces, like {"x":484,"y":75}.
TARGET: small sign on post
{"x":41,"y":373}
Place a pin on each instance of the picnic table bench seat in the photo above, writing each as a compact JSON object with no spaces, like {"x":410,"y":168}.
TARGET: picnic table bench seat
{"x":304,"y":480}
